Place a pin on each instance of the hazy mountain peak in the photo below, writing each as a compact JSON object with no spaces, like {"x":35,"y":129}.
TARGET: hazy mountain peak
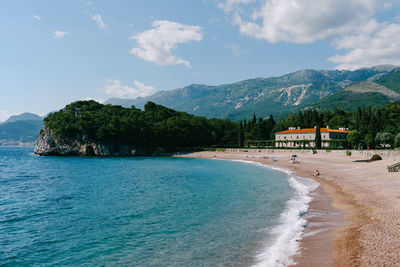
{"x":24,"y":117}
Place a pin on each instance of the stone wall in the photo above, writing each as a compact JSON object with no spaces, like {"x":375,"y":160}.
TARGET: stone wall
{"x":367,"y":154}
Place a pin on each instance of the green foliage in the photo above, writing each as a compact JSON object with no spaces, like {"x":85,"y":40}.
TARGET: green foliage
{"x":369,"y":140}
{"x":241,"y":135}
{"x":391,"y":81}
{"x":376,"y":157}
{"x":364,"y":124}
{"x":354,"y":138}
{"x":384,"y":138}
{"x":397,"y":140}
{"x":157,"y":127}
{"x":318,"y":138}
{"x":348,"y":153}
{"x":350,"y":101}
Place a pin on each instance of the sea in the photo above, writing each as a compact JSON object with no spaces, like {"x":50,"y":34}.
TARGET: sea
{"x":80,"y":211}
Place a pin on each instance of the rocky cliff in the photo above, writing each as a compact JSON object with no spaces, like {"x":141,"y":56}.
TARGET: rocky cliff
{"x":49,"y":145}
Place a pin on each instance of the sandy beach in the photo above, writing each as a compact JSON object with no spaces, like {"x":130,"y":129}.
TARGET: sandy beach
{"x":354,"y":217}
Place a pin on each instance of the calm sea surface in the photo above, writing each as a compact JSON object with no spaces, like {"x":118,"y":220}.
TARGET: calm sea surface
{"x":141,"y":211}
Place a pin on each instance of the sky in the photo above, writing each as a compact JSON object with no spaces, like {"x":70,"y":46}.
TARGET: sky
{"x":55,"y":52}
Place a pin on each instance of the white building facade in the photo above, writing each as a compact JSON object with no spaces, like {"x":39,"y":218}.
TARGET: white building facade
{"x":296,"y":137}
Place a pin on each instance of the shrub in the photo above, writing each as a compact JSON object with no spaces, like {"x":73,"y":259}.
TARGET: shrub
{"x":348,"y":153}
{"x":397,"y":140}
{"x":384,"y":138}
{"x":376,"y":157}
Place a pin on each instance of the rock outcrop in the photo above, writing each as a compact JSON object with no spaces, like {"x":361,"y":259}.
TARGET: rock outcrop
{"x":49,"y":145}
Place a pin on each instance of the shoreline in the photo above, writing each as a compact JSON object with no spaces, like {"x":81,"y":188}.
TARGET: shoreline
{"x":347,"y":217}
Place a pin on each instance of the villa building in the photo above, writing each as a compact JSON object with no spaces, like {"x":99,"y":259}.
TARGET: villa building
{"x":296,"y":137}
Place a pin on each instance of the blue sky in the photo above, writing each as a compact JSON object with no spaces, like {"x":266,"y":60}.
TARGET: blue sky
{"x":55,"y":52}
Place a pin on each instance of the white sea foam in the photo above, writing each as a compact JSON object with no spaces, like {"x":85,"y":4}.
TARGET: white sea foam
{"x":283,"y":239}
{"x":287,"y":234}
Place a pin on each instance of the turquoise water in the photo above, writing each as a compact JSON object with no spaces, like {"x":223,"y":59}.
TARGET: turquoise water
{"x":140,"y":211}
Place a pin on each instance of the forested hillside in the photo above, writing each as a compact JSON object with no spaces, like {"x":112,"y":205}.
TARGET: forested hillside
{"x":156,"y":127}
{"x":363,"y":94}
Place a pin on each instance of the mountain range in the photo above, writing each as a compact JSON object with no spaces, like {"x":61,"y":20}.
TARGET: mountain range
{"x":280,"y":95}
{"x":20,"y":129}
{"x":304,"y":89}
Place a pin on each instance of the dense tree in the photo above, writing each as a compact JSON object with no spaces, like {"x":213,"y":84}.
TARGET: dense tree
{"x":397,"y":140}
{"x":369,"y":140}
{"x":253,"y":122}
{"x":364,"y":124}
{"x":156,"y":127}
{"x":384,"y":139}
{"x":241,"y":135}
{"x":159,"y":127}
{"x":318,"y":144}
{"x":269,"y":126}
{"x":354,"y":138}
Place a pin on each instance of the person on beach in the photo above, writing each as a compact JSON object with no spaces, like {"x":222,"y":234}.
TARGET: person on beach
{"x":316,"y":173}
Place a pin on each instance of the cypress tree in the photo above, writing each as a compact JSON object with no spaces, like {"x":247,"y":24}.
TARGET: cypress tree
{"x":241,"y":135}
{"x":315,"y":118}
{"x":254,"y":121}
{"x":318,"y":138}
{"x":262,"y":131}
{"x":358,"y":118}
{"x":268,"y":125}
{"x":254,"y":131}
{"x":301,"y":120}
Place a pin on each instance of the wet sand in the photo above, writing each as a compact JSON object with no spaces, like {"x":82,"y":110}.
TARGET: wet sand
{"x":354,"y":218}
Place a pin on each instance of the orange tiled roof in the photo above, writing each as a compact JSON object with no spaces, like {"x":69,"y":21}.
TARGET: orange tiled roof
{"x":311,"y":130}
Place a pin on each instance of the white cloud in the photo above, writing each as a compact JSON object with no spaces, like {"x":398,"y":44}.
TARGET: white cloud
{"x":377,"y":43}
{"x":60,"y":34}
{"x":304,"y":21}
{"x":156,"y":45}
{"x":351,"y":24}
{"x":237,"y":50}
{"x":36,"y":17}
{"x":97,"y":18}
{"x":116,"y":88}
{"x":229,"y":5}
